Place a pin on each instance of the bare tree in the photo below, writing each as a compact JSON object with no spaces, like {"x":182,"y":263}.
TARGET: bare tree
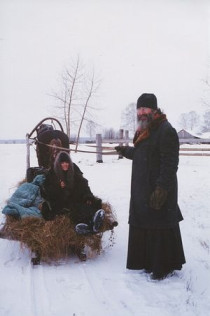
{"x":189,"y":120}
{"x":183,"y":120}
{"x":91,"y":128}
{"x":206,"y":104}
{"x":109,"y":133}
{"x":91,"y":90}
{"x":129,"y":117}
{"x":71,"y":79}
{"x":193,"y":119}
{"x":206,"y":122}
{"x":74,"y":100}
{"x":206,"y":94}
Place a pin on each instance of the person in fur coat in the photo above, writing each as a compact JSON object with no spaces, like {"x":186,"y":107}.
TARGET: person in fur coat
{"x":67,"y":192}
{"x":155,"y":242}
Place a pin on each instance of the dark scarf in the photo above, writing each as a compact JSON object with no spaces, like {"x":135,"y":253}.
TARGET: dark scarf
{"x":144,"y":134}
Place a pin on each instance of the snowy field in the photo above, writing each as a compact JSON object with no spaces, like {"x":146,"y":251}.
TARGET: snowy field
{"x":102,"y":286}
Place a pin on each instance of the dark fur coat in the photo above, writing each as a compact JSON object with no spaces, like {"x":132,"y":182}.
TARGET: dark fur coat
{"x":73,"y":198}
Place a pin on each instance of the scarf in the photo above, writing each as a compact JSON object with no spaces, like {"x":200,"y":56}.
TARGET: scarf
{"x":144,"y":134}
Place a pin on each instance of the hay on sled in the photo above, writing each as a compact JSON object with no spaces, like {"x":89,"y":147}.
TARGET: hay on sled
{"x":57,"y":239}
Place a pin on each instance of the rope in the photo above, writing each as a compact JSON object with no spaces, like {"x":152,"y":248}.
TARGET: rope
{"x":81,"y":151}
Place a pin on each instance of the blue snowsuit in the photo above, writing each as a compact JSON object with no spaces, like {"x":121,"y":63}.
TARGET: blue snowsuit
{"x":26,"y":199}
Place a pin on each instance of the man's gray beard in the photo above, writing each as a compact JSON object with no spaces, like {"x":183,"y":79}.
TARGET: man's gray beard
{"x":142,"y":124}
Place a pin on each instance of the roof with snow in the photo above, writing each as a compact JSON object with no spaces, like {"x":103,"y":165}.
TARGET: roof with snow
{"x":186,"y":134}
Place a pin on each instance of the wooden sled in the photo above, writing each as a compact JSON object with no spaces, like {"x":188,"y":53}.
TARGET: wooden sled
{"x":51,"y":241}
{"x":54,"y":240}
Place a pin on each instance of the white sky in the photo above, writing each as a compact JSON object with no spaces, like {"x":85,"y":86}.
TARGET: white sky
{"x":135,"y":46}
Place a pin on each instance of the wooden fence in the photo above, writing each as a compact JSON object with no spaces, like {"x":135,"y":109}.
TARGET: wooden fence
{"x":191,"y":151}
{"x":119,"y":141}
{"x":194,"y":151}
{"x":124,"y":139}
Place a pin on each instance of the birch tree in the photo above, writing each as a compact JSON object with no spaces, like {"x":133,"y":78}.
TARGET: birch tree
{"x":77,"y":91}
{"x":91,"y":89}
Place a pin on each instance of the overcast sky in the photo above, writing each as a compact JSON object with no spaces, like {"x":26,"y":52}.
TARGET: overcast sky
{"x":134,"y":46}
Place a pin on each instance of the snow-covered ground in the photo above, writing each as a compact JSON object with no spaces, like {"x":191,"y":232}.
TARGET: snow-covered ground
{"x":102,"y":286}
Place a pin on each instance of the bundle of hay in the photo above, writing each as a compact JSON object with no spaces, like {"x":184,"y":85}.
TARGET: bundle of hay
{"x":57,"y":239}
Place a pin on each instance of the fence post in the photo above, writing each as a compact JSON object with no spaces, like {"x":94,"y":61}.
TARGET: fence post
{"x":27,"y":152}
{"x":121,"y":142}
{"x":99,"y":148}
{"x":126,"y":138}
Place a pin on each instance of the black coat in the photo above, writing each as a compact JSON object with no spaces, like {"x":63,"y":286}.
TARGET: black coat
{"x":70,"y":200}
{"x":155,"y":163}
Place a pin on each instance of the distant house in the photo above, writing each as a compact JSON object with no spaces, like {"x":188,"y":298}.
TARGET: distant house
{"x":188,"y":137}
{"x":185,"y":134}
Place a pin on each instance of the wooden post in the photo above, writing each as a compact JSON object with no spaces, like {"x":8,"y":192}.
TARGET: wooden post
{"x":126,"y":138}
{"x":99,"y":148}
{"x":121,"y":142}
{"x":27,"y":152}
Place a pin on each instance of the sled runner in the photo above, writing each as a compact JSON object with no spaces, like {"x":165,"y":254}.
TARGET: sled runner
{"x":54,"y":239}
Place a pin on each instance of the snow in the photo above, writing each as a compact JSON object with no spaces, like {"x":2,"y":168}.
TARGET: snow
{"x":102,"y":285}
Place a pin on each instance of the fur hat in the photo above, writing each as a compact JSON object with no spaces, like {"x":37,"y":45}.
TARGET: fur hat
{"x":147,"y":100}
{"x":63,"y":157}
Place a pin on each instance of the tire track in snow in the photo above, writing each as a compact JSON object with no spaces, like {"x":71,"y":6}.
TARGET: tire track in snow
{"x":39,"y":294}
{"x":103,"y":296}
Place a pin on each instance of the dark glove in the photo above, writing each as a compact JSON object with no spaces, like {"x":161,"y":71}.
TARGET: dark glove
{"x":158,"y":198}
{"x":120,"y":149}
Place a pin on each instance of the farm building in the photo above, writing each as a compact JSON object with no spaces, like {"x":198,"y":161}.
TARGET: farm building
{"x":186,"y":137}
{"x":185,"y":134}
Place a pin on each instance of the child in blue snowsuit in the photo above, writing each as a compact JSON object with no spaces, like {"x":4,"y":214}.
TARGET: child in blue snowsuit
{"x":26,"y":200}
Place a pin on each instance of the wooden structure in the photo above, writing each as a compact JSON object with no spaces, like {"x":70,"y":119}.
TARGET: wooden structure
{"x":122,"y":140}
{"x":185,"y":137}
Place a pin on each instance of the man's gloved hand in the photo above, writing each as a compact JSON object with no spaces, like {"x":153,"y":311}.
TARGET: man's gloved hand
{"x":120,"y":149}
{"x":158,"y":198}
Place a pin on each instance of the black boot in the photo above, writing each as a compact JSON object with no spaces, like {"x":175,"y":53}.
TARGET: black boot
{"x":83,"y":229}
{"x":98,"y":220}
{"x":36,"y":259}
{"x":81,"y":254}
